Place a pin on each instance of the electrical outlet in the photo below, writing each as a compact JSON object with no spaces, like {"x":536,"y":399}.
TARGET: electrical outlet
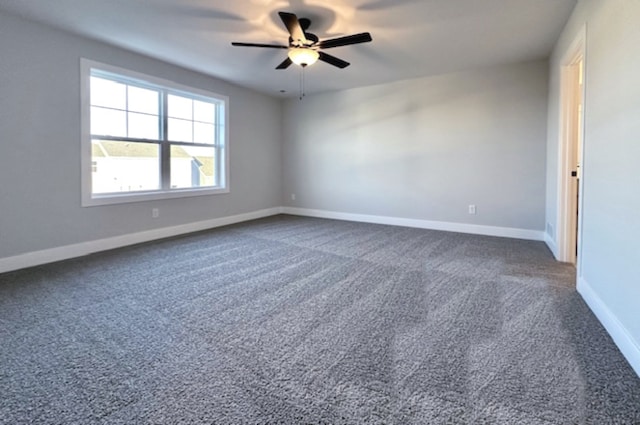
{"x":293,"y":196}
{"x":472,"y":209}
{"x":155,"y":212}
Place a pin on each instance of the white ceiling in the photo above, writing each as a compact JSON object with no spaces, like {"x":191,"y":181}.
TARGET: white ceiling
{"x":411,"y":38}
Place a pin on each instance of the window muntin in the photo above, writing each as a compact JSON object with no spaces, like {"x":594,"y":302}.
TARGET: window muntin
{"x":191,"y":120}
{"x":147,"y":138}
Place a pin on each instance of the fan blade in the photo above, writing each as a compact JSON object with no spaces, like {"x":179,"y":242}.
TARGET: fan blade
{"x":293,"y":26}
{"x":333,"y":60}
{"x":273,"y":46}
{"x":285,"y":64}
{"x":364,"y":37}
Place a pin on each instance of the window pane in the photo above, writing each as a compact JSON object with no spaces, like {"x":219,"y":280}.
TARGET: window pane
{"x":108,"y":122}
{"x":192,"y":166}
{"x":108,"y":93}
{"x":142,"y":126}
{"x":124,"y":166}
{"x":180,"y":107}
{"x":180,"y":130}
{"x":204,"y":111}
{"x":142,"y":100}
{"x":203,"y":133}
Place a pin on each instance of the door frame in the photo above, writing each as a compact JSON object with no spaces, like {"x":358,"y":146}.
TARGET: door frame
{"x":568,"y":236}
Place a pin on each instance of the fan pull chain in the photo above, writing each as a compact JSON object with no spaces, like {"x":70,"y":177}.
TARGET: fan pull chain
{"x":302,"y":81}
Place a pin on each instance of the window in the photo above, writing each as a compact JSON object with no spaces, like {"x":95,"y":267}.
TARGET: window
{"x":145,"y":138}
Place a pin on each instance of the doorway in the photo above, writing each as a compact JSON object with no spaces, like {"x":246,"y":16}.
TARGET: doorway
{"x":571,"y":152}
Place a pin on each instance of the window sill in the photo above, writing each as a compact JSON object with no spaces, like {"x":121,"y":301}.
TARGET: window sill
{"x":123,"y":198}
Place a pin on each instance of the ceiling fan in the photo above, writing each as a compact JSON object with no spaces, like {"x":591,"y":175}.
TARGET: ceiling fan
{"x":304,"y":48}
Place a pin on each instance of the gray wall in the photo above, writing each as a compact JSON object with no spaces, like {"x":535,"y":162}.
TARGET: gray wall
{"x":40,"y":145}
{"x":425,"y":148}
{"x":611,"y":221}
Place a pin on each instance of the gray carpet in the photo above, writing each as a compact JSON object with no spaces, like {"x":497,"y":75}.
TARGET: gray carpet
{"x":299,"y":320}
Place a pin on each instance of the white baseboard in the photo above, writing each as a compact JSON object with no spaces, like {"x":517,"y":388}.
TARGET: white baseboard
{"x":36,"y":258}
{"x":629,"y":347}
{"x":506,"y":232}
{"x":551,"y":244}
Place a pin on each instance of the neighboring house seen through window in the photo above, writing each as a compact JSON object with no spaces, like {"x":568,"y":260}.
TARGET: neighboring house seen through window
{"x":146,"y":138}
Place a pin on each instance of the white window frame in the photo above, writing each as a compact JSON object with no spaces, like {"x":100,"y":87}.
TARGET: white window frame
{"x":222,"y":150}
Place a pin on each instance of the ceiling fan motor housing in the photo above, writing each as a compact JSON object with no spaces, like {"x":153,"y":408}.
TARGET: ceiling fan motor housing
{"x":312,"y":39}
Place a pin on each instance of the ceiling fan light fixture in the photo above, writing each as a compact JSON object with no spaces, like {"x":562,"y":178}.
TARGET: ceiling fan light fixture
{"x":303,"y":56}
